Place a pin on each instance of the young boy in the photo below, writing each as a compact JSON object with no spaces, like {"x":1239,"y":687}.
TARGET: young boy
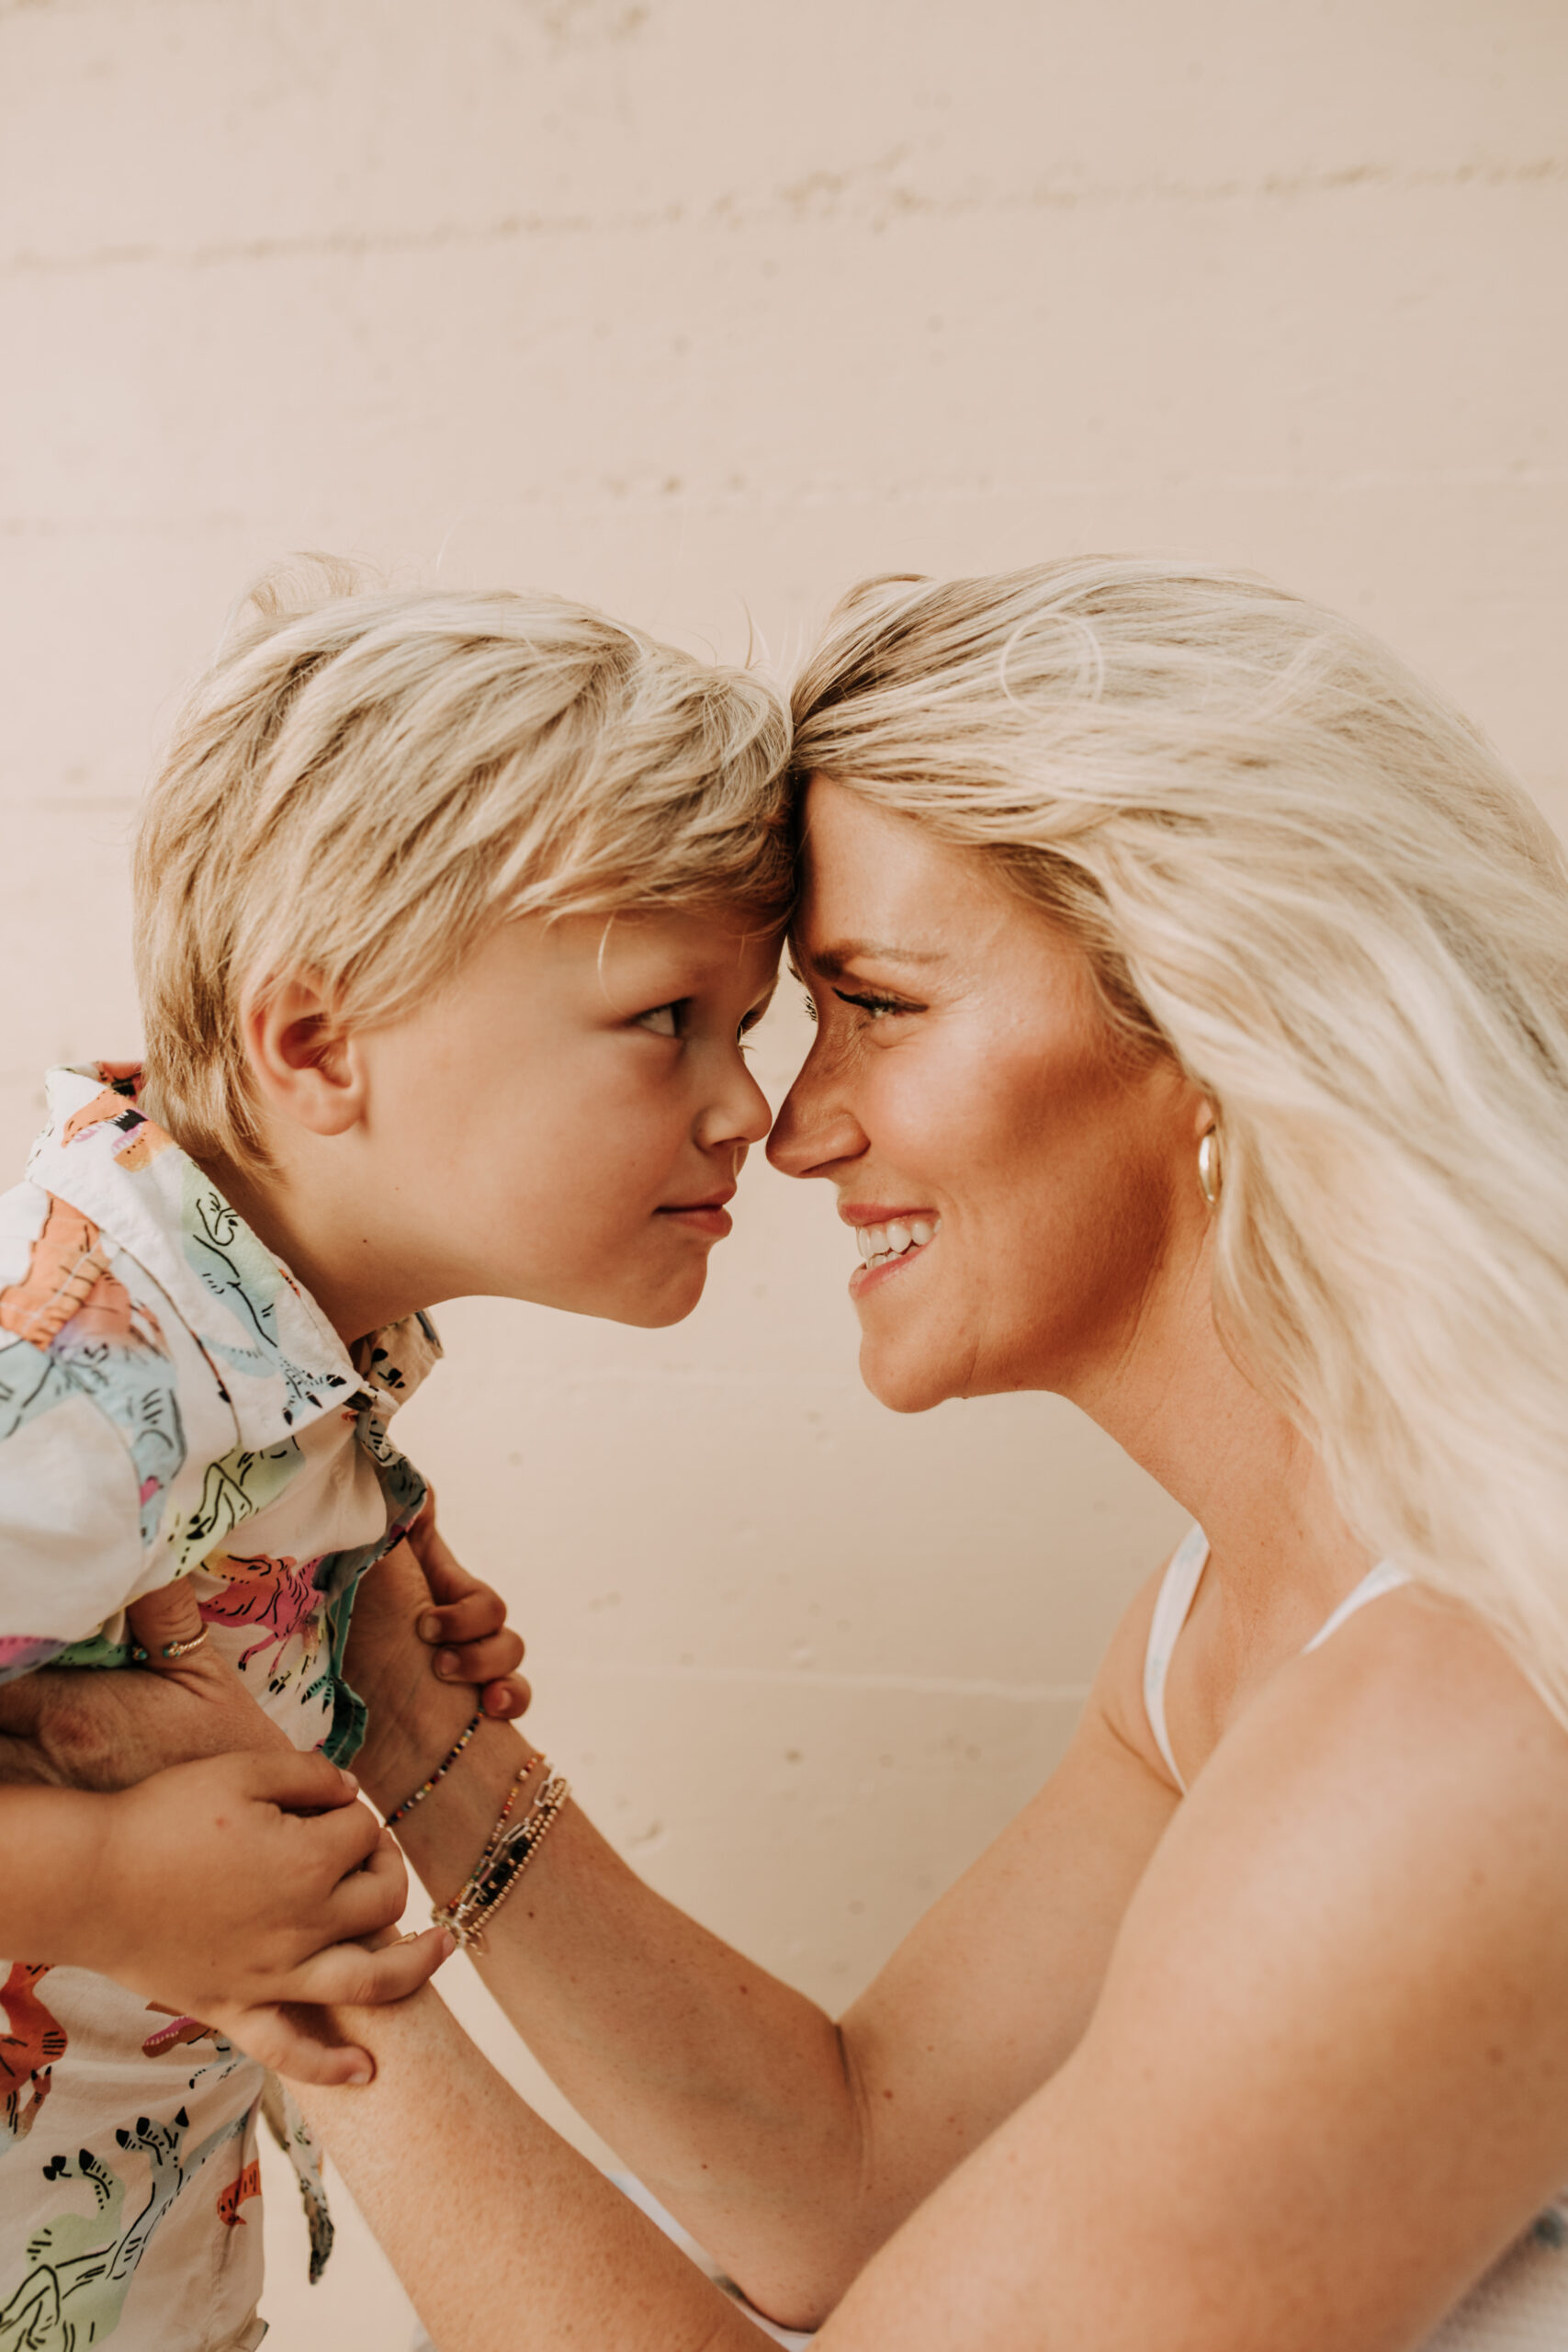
{"x":451,"y":912}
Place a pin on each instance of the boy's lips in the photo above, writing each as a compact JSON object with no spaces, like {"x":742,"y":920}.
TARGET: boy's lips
{"x":709,"y":1216}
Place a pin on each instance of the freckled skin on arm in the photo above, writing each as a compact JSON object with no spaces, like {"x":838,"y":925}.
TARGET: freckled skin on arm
{"x":1303,"y":2065}
{"x":790,"y":2147}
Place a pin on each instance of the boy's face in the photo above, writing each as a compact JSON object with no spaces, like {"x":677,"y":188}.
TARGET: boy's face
{"x":566,"y":1121}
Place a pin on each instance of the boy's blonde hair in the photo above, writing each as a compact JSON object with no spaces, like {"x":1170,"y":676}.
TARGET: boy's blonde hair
{"x":365,"y":783}
{"x":1294,"y":867}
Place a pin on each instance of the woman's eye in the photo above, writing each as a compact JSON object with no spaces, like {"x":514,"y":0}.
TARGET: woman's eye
{"x":663,"y":1021}
{"x":875,"y":1008}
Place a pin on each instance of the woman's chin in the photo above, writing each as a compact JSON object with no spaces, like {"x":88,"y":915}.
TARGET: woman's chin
{"x":897,"y":1380}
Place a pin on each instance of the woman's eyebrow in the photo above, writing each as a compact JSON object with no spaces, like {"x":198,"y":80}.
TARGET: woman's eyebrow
{"x":834,"y":961}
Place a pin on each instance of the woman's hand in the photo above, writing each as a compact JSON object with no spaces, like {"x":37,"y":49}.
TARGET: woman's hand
{"x":96,"y":1727}
{"x":424,"y":1635}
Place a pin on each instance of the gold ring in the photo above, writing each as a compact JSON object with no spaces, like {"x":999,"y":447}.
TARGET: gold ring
{"x":171,"y":1649}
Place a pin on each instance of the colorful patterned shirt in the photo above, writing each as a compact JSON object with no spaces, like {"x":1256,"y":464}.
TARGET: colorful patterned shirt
{"x":172,"y":1404}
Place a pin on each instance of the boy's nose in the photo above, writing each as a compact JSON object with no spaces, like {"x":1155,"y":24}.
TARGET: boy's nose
{"x":743,"y":1117}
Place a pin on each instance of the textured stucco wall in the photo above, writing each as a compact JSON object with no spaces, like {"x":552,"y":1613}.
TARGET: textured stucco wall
{"x":700,"y":309}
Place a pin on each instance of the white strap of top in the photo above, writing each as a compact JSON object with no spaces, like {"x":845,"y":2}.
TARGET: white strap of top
{"x":1173,"y":1605}
{"x":1384,"y":1579}
{"x":1179,"y":1589}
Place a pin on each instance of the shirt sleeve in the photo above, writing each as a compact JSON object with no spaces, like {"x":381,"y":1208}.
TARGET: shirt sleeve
{"x":72,"y":1544}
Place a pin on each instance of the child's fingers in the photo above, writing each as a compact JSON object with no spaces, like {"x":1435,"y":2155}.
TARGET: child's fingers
{"x":301,"y":1781}
{"x":165,"y":1624}
{"x":371,"y":1898}
{"x":346,"y":1975}
{"x":291,"y":2043}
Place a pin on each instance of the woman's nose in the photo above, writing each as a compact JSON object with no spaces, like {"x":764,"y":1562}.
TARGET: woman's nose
{"x":813,"y":1134}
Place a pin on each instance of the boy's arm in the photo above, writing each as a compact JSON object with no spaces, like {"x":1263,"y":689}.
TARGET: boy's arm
{"x":229,"y":1885}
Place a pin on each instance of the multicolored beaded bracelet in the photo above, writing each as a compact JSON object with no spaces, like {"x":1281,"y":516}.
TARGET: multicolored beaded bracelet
{"x":440,"y":1773}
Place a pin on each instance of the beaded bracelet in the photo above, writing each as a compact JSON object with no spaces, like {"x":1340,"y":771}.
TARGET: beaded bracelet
{"x":507,"y":1855}
{"x":440,"y":1773}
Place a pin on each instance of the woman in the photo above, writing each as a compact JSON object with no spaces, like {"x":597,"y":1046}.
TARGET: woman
{"x":1193,"y":1041}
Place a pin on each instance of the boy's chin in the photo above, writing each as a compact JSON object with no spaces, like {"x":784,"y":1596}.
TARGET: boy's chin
{"x":654,"y":1311}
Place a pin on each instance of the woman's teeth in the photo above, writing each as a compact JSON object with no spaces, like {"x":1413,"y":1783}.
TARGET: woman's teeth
{"x":879,"y":1243}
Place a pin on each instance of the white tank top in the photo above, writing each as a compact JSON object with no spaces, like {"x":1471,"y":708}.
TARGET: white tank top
{"x":1522,"y":2305}
{"x":1179,"y":1589}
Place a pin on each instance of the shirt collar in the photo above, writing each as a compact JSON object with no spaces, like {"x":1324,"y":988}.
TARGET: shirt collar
{"x":276,"y":1358}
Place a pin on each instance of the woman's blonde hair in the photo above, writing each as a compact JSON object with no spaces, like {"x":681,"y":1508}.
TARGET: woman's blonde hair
{"x":1296,"y":869}
{"x":365,"y":783}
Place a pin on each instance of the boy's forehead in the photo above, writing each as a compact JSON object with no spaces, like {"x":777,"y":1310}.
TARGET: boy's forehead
{"x":702,"y":942}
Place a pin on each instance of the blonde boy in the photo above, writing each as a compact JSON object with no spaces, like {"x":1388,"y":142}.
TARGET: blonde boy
{"x":451,"y":912}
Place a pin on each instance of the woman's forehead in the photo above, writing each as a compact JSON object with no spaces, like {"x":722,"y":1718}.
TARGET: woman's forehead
{"x":877,"y":888}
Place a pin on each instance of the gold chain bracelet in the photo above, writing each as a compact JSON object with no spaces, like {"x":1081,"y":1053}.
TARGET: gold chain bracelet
{"x":507,"y":1854}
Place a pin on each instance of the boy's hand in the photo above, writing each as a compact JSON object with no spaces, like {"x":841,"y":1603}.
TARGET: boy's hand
{"x":227,"y":1888}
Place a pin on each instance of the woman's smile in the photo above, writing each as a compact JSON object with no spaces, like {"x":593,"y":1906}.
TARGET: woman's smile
{"x":887,"y":1239}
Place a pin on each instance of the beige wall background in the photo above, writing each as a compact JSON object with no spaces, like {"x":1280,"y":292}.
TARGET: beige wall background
{"x":701,"y":309}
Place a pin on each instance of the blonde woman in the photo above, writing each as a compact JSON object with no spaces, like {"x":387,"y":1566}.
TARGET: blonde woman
{"x":1192,"y":990}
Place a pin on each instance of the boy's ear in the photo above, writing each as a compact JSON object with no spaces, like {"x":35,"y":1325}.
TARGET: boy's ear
{"x":304,"y":1061}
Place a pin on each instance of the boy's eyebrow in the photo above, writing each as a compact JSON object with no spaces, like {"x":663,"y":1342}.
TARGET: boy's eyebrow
{"x":834,"y":961}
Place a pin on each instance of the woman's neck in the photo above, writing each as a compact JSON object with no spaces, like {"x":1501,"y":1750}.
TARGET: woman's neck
{"x":1179,"y":1404}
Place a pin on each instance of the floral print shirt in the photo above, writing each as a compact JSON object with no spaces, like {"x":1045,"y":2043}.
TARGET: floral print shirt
{"x":172,"y":1404}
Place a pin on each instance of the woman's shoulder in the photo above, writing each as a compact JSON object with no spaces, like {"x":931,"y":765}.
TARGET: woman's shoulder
{"x":1410,"y":1750}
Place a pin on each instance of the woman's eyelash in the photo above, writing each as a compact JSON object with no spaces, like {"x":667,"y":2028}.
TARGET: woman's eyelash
{"x":869,"y":1002}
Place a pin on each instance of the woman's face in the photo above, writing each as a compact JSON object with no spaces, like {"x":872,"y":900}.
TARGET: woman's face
{"x":1026,"y":1197}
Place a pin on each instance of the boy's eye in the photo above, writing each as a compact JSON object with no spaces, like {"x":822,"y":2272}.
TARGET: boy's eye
{"x":663,"y":1020}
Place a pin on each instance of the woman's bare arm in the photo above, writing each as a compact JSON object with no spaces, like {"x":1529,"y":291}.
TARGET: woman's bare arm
{"x":502,"y":2234}
{"x":1325,"y":2083}
{"x":791,"y":2147}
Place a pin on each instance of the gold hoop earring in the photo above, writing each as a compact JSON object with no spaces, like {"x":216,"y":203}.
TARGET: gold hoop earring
{"x":1210,"y":1174}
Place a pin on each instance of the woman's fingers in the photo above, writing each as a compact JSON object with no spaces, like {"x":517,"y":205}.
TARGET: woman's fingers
{"x":505,"y":1701}
{"x":466,"y":1625}
{"x":445,"y":1573}
{"x":479,"y":1613}
{"x":165,"y":1624}
{"x":488,"y":1659}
